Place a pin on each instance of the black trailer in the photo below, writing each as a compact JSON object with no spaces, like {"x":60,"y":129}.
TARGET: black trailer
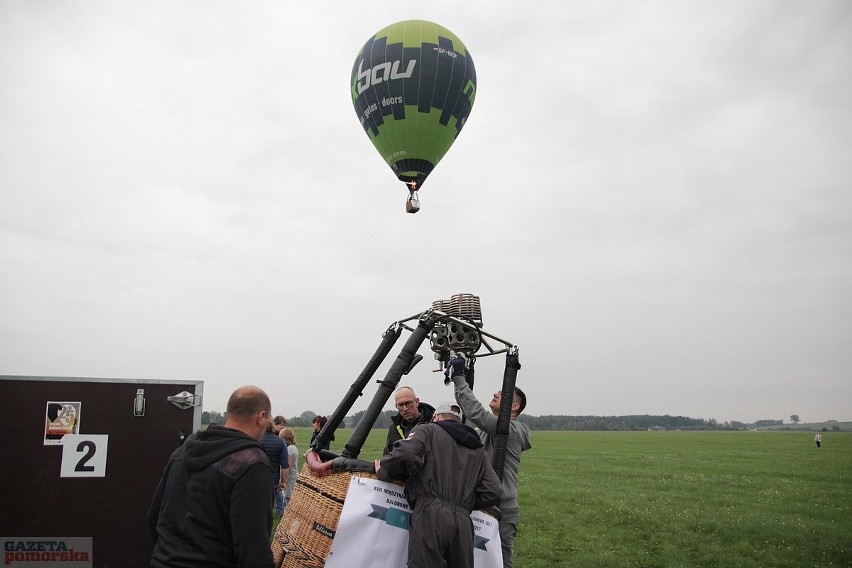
{"x":81,"y":458}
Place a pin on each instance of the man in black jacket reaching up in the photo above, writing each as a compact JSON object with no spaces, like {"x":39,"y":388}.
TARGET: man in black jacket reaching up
{"x":447,"y":475}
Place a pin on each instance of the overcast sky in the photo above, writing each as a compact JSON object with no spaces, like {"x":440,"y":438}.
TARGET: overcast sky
{"x":651,"y":199}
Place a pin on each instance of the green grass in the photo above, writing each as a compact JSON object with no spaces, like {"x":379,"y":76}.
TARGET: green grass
{"x":666,"y":499}
{"x":678,"y":499}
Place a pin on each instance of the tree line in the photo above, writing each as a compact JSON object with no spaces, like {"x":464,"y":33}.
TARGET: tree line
{"x":636,"y":422}
{"x":551,"y":422}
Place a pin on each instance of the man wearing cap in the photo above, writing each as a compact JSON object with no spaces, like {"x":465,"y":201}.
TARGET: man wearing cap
{"x":411,"y":413}
{"x":447,"y":475}
{"x":518,"y":441}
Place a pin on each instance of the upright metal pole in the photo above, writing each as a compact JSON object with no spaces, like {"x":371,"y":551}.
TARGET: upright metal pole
{"x":323,"y":439}
{"x":510,"y":375}
{"x":386,"y":387}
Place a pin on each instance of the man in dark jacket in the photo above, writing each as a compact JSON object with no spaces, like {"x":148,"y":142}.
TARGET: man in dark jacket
{"x":212,"y":506}
{"x":276,"y":451}
{"x":447,"y":475}
{"x":411,"y":413}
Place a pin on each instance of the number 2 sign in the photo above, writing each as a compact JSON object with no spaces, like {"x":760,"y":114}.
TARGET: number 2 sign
{"x":84,"y":455}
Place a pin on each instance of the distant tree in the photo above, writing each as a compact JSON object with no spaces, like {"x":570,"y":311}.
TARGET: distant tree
{"x":383,"y":421}
{"x":352,"y":421}
{"x":303,"y":420}
{"x":298,"y":422}
{"x":604,"y":423}
{"x":794,"y":418}
{"x":214,"y":418}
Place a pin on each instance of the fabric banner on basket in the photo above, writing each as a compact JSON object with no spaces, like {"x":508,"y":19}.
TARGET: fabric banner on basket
{"x":373,"y":529}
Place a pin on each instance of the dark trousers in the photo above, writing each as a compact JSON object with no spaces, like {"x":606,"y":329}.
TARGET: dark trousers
{"x":440,"y":536}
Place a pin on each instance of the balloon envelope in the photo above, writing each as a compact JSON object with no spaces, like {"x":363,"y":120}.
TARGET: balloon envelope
{"x":413,"y":86}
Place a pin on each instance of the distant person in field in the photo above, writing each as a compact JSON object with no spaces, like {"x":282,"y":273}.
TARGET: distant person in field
{"x":447,"y":475}
{"x":278,"y":423}
{"x":410,"y":413}
{"x":818,"y":438}
{"x":276,"y":450}
{"x":212,"y":506}
{"x":292,"y":474}
{"x":318,"y":424}
{"x":519,"y":441}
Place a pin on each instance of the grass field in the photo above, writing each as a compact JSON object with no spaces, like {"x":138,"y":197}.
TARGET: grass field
{"x":686,"y":499}
{"x":679,"y":499}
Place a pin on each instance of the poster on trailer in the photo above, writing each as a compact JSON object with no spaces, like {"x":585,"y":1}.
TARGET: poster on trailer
{"x":60,"y":418}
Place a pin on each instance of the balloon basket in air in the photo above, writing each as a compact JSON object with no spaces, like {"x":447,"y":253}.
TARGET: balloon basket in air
{"x":412,"y":205}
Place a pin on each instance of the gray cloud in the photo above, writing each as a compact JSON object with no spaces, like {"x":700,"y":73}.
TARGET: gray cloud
{"x":651,"y":200}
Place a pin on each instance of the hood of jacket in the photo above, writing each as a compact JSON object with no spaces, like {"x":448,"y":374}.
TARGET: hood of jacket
{"x":461,"y":433}
{"x":204,"y":448}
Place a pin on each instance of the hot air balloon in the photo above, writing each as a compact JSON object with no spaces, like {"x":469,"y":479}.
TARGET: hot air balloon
{"x":413,"y":86}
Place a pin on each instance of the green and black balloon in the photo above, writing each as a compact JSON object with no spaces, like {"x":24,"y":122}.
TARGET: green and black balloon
{"x":413,"y":86}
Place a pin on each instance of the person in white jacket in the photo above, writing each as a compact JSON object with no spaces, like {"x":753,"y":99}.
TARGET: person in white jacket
{"x":289,"y":478}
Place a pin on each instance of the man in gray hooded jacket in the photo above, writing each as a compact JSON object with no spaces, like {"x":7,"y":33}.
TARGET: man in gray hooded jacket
{"x":518,"y":441}
{"x":447,"y":476}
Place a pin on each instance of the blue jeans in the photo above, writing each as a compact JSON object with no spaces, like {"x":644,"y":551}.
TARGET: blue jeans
{"x":279,"y":503}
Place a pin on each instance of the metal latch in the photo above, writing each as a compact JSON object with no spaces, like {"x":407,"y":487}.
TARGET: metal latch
{"x":184,"y":400}
{"x":139,"y":403}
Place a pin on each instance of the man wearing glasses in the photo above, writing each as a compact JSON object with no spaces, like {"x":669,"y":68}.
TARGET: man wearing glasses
{"x":411,"y":412}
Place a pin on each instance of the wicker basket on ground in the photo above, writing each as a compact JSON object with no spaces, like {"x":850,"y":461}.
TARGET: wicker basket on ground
{"x":304,"y":535}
